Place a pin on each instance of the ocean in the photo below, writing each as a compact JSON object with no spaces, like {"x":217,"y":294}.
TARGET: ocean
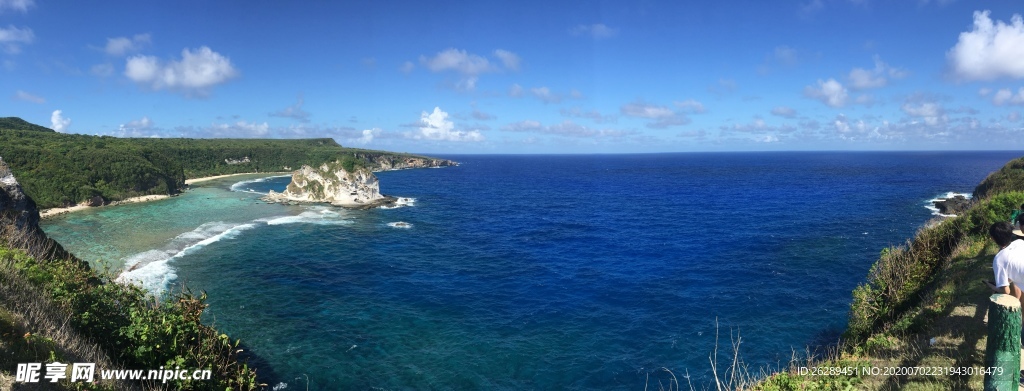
{"x":514,"y":272}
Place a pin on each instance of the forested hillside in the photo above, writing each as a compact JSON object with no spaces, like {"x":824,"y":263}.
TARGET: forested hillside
{"x":58,"y":169}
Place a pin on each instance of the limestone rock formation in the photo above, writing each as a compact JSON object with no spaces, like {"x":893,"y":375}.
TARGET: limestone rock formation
{"x":332,"y":183}
{"x":16,"y":208}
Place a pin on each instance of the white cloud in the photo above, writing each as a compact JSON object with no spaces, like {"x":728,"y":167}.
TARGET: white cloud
{"x":759,"y":127}
{"x":724,"y":86}
{"x":294,"y":112}
{"x":841,"y":124}
{"x":17,"y":5}
{"x":508,"y":59}
{"x":545,"y":95}
{"x":240,"y":129}
{"x":194,"y":74}
{"x":691,"y":106}
{"x":523,"y":126}
{"x":668,"y":122}
{"x":22,"y":95}
{"x":469,"y":66}
{"x":853,"y":131}
{"x":593,"y":115}
{"x":941,"y":3}
{"x":663,"y":116}
{"x":457,"y":60}
{"x":565,"y":129}
{"x":102,"y":70}
{"x":645,"y":110}
{"x":786,"y":55}
{"x":58,"y":122}
{"x":1006,"y":96}
{"x":131,"y":127}
{"x":861,"y":79}
{"x":368,"y":135}
{"x":931,"y":113}
{"x":596,"y":31}
{"x":990,"y":50}
{"x":407,"y":67}
{"x":829,"y":92}
{"x":477,"y":114}
{"x":783,"y":111}
{"x":516,"y":91}
{"x":11,"y":38}
{"x":436,"y":126}
{"x":811,"y":8}
{"x":123,"y":45}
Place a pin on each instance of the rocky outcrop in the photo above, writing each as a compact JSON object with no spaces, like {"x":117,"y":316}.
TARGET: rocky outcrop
{"x":953,"y":206}
{"x":16,"y":208}
{"x":332,"y":183}
{"x":19,"y":220}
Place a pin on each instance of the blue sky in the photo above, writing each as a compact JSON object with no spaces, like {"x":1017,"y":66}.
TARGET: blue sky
{"x":526,"y":77}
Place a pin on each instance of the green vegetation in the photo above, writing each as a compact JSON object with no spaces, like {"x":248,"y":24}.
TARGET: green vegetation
{"x":1008,"y":178}
{"x":923,"y":302}
{"x":107,"y":322}
{"x":59,"y":169}
{"x":15,"y":123}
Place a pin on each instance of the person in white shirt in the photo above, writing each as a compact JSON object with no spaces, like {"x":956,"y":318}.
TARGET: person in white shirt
{"x":1008,"y":264}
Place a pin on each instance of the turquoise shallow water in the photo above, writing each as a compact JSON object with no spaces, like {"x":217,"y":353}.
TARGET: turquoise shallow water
{"x":535,"y":272}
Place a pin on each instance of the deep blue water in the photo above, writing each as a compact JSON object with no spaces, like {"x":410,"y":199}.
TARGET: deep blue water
{"x":549,"y":272}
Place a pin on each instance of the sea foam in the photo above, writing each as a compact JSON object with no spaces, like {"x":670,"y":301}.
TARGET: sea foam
{"x":151,"y":269}
{"x":317,"y":216}
{"x":400,"y":202}
{"x":243,"y":186}
{"x":930,"y":204}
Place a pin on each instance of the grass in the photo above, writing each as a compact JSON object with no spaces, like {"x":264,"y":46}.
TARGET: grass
{"x":59,"y":309}
{"x":946,"y":328}
{"x":943,"y":326}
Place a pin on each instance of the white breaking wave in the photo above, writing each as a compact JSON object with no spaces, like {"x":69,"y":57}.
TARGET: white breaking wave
{"x":316,"y":216}
{"x":400,"y":202}
{"x":242,"y":186}
{"x":400,"y":224}
{"x":150,"y":268}
{"x":930,"y":204}
{"x":153,"y":271}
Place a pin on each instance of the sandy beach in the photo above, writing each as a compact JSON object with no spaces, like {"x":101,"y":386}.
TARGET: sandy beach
{"x":210,"y":178}
{"x":59,"y":211}
{"x":47,"y":213}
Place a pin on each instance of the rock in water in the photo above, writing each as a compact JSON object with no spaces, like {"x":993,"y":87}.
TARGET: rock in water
{"x":332,"y":183}
{"x":952,"y":206}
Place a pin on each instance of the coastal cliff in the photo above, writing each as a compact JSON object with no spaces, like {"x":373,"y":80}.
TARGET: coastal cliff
{"x":19,"y":219}
{"x":921,"y":303}
{"x":382,"y":162}
{"x":355,"y":187}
